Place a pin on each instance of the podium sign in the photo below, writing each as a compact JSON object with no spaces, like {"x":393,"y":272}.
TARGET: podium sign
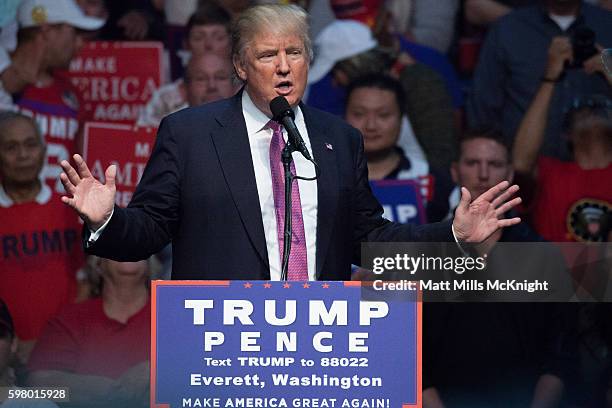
{"x":282,"y":344}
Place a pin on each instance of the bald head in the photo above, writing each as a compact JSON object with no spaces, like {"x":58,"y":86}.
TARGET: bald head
{"x":208,"y":78}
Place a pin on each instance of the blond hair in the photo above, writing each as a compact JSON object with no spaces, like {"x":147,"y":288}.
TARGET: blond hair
{"x":282,"y":19}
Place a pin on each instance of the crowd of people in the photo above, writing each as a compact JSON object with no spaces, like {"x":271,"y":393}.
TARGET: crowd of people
{"x":446,"y":94}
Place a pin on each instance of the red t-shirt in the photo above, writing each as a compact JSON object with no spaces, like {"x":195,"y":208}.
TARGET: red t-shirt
{"x":41,"y":253}
{"x":57,"y":111}
{"x":572,"y":204}
{"x":83,"y":340}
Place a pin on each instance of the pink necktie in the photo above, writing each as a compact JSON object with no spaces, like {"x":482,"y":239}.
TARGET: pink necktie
{"x":298,"y":266}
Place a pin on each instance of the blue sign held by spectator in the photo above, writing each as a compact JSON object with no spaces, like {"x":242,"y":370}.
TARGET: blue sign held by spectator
{"x":401,"y":200}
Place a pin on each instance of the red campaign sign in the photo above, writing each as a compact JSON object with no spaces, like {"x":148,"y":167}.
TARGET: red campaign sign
{"x":125,"y":146}
{"x":116,"y":79}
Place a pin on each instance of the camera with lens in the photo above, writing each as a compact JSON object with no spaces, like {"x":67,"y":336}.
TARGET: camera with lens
{"x":583,"y":45}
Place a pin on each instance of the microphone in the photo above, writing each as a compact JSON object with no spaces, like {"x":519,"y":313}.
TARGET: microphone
{"x":282,"y":112}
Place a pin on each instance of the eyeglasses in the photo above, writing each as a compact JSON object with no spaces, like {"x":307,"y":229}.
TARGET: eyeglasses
{"x":594,"y":102}
{"x":593,"y":105}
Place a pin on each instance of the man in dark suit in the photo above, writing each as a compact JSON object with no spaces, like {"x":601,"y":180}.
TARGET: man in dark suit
{"x":211,"y":185}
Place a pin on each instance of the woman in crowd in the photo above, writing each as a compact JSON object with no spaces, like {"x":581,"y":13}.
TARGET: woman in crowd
{"x":100,"y":348}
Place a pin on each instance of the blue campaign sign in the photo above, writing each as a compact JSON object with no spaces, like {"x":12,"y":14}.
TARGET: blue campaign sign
{"x":401,"y":200}
{"x":283,"y":344}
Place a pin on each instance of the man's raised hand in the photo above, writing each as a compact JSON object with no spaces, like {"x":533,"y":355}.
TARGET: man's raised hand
{"x":476,"y":220}
{"x":92,"y":200}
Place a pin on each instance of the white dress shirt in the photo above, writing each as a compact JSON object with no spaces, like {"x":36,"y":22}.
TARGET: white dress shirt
{"x":259,"y":140}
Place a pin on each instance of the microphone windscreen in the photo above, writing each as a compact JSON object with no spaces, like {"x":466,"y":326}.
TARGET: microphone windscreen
{"x":280,"y":108}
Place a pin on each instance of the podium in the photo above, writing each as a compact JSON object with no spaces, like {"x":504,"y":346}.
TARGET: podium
{"x":283,"y":344}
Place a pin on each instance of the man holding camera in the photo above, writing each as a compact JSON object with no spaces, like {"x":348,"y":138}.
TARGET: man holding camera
{"x":513,"y":61}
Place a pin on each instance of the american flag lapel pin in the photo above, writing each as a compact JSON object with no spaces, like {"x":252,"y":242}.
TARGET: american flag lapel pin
{"x":328,"y":146}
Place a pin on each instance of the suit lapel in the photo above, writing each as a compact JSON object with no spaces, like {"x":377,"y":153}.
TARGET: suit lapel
{"x":327,"y":183}
{"x":232,"y":146}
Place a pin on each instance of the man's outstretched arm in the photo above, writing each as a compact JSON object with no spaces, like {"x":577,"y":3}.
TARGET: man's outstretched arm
{"x":147,"y":224}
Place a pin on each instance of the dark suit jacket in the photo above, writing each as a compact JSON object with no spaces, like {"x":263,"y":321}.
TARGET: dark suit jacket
{"x":199,"y":191}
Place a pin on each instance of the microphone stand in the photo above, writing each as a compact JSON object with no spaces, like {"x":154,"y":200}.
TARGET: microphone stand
{"x":287,"y":159}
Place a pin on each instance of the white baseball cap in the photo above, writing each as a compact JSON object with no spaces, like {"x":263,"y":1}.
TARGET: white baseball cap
{"x":339,"y":40}
{"x":32,"y":13}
